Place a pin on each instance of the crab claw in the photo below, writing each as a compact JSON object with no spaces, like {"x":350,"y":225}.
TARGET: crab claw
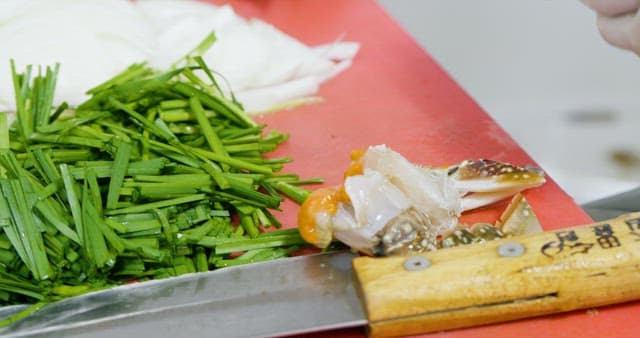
{"x":482,"y":182}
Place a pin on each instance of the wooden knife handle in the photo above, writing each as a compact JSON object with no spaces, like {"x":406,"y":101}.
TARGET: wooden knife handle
{"x":561,"y":270}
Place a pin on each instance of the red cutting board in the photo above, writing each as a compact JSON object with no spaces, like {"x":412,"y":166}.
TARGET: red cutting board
{"x":396,"y":94}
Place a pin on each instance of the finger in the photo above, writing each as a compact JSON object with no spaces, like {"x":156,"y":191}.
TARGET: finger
{"x":634,"y":34}
{"x":613,"y":7}
{"x":616,"y":30}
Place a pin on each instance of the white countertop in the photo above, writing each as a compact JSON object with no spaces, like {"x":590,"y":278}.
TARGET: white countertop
{"x":540,"y":68}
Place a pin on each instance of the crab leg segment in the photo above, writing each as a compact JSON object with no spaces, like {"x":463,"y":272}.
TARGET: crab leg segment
{"x":482,"y":182}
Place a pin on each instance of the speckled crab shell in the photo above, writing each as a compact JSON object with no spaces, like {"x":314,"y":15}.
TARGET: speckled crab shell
{"x":482,"y":182}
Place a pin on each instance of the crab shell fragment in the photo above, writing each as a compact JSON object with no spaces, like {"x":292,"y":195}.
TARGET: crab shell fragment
{"x":388,"y":205}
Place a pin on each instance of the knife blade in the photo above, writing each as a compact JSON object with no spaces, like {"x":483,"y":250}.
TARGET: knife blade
{"x":282,"y":297}
{"x":615,"y":205}
{"x":523,"y":276}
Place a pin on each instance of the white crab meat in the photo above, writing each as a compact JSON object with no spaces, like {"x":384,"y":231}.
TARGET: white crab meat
{"x":374,"y":202}
{"x":388,"y":205}
{"x":430,"y":191}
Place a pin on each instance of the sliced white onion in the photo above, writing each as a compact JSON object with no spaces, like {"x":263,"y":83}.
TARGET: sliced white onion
{"x":95,"y":39}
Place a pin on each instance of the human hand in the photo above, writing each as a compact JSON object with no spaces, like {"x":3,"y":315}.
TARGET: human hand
{"x":618,"y":22}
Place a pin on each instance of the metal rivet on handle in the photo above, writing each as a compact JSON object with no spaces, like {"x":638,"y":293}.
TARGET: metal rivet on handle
{"x":416,"y":263}
{"x":511,"y":249}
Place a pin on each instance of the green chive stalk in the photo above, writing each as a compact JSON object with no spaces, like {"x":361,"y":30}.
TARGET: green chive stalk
{"x":155,"y":175}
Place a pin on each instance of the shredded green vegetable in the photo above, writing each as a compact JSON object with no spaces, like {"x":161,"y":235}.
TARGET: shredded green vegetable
{"x":155,"y":175}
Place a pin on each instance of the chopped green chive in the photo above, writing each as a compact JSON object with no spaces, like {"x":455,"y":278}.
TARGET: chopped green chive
{"x":155,"y":175}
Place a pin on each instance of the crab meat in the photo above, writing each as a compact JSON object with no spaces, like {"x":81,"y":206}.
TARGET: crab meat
{"x":387,"y":205}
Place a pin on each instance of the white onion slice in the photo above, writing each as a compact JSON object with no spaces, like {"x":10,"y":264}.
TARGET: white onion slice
{"x":95,"y":39}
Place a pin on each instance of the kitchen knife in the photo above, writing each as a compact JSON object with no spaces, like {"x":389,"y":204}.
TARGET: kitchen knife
{"x":524,"y":276}
{"x":614,"y":205}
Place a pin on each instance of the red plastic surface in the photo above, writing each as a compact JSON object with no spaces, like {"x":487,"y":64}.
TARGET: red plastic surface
{"x":396,"y":94}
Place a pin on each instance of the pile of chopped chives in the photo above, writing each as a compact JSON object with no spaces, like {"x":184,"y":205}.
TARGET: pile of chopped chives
{"x":155,"y":175}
